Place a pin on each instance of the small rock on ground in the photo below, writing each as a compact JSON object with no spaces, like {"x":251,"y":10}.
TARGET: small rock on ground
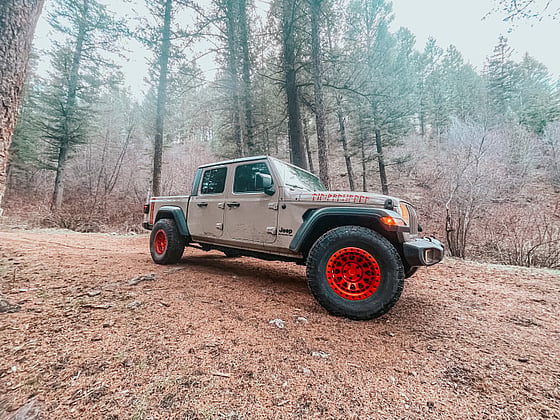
{"x":30,"y":411}
{"x":321,"y":354}
{"x":146,"y":277}
{"x":135,"y":304}
{"x":278,"y":323}
{"x":7,"y":307}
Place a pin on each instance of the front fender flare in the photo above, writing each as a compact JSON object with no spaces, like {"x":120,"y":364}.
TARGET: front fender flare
{"x":368,"y":217}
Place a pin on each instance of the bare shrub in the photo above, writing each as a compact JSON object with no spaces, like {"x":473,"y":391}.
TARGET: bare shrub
{"x":475,"y":178}
{"x":525,"y":236}
{"x":551,"y":140}
{"x":482,"y":191}
{"x":180,"y":164}
{"x":107,"y":185}
{"x":518,"y":152}
{"x":69,"y":220}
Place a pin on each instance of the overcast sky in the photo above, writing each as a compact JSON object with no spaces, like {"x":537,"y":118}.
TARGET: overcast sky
{"x":457,"y":22}
{"x":461,"y":23}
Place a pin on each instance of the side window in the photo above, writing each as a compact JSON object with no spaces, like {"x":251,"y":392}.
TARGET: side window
{"x":245,"y":177}
{"x":213,"y":181}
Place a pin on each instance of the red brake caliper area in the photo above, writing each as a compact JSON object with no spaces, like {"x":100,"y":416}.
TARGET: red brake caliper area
{"x":353,"y":273}
{"x":160,"y":242}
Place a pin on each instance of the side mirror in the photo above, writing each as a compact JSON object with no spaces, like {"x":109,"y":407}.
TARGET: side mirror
{"x":263,"y":182}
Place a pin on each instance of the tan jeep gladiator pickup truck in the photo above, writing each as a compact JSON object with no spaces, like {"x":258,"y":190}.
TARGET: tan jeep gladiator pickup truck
{"x":358,"y":247}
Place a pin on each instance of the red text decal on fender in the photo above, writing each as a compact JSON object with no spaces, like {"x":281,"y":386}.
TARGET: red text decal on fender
{"x":341,"y":198}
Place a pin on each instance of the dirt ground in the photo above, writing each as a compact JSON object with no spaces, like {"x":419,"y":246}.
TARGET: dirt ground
{"x":465,"y":340}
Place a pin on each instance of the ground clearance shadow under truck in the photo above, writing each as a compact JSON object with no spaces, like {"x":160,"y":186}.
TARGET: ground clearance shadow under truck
{"x":358,"y":247}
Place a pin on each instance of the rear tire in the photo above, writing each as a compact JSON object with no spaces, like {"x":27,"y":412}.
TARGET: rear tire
{"x":355,"y":272}
{"x":166,"y":243}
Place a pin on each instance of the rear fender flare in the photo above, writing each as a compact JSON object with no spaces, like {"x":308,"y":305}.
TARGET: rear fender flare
{"x":175,"y":213}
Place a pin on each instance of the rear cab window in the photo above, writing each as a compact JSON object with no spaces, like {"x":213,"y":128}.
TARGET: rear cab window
{"x":213,"y":181}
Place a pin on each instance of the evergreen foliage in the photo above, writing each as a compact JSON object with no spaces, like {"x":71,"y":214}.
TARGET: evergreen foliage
{"x":336,"y":88}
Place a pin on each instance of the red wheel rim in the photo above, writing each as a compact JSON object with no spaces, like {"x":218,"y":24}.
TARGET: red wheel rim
{"x":160,"y":242}
{"x":353,"y":273}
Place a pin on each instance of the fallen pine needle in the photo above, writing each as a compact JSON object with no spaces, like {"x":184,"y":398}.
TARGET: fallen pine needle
{"x":223,"y":375}
{"x":107,"y":306}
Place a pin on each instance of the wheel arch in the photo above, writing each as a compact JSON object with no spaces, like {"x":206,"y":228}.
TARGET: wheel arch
{"x":318,"y":222}
{"x":175,"y":213}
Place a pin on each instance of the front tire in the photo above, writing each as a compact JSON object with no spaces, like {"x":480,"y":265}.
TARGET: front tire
{"x":355,"y":272}
{"x":166,"y":243}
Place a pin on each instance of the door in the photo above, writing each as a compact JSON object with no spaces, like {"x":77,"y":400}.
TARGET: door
{"x":205,"y":217}
{"x":251,"y":215}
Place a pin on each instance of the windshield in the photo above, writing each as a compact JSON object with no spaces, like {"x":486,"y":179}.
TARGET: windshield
{"x":295,"y":177}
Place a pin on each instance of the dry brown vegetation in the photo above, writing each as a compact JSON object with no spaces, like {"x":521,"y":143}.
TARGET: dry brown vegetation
{"x":488,"y":194}
{"x":466,"y":340}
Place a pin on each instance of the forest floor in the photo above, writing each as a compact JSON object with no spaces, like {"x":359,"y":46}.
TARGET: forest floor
{"x":466,"y":340}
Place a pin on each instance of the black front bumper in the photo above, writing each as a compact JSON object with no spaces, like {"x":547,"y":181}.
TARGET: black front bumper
{"x":423,"y":251}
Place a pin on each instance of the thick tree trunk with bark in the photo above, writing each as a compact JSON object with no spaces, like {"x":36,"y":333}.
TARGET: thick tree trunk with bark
{"x":297,"y":152}
{"x":161,"y":99}
{"x":18,"y":19}
{"x":319,"y":108}
{"x":381,"y":162}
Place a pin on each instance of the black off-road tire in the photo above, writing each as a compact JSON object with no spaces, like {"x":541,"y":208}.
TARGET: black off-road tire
{"x":375,"y":267}
{"x":166,"y":243}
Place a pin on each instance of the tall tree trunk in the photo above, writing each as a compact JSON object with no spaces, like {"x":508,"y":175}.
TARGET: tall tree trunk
{"x":319,"y":108}
{"x":342,"y":128}
{"x":246,"y":76}
{"x":69,"y":123}
{"x":308,"y":145}
{"x":58,"y":193}
{"x":297,"y":153}
{"x":18,"y":19}
{"x":161,"y":98}
{"x":381,"y":161}
{"x":231,"y":14}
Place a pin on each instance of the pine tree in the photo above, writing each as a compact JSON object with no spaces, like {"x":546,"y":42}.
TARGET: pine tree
{"x":500,"y":79}
{"x":537,"y":103}
{"x":289,"y":17}
{"x":385,"y":79}
{"x":25,"y":151}
{"x":167,"y":39}
{"x":80,"y":68}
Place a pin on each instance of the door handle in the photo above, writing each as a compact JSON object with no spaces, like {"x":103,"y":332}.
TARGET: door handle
{"x":203,"y":204}
{"x":233,"y":204}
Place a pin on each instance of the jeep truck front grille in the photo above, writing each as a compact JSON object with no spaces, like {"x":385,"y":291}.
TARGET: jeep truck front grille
{"x":413,"y":220}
